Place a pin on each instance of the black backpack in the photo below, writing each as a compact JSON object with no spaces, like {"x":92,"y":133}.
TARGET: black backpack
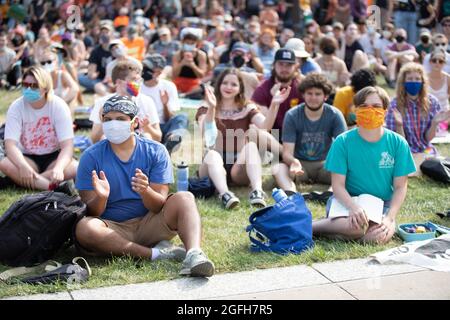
{"x":34,"y":228}
{"x":437,"y":169}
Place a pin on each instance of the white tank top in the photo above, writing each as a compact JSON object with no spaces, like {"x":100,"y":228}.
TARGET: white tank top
{"x":59,"y":90}
{"x":442,"y":95}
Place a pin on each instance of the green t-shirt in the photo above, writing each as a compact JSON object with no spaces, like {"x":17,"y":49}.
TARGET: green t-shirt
{"x":370,"y":167}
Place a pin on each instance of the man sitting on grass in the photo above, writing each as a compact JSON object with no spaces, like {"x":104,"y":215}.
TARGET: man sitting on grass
{"x":308,"y":131}
{"x":124,"y":181}
{"x":370,"y":160}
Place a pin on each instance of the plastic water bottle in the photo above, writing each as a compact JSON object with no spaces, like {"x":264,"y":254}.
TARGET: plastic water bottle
{"x":278,"y":195}
{"x":210,"y":134}
{"x":182,"y":177}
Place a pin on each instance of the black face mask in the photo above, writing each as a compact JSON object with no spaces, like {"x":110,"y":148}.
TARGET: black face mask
{"x":425,"y":40}
{"x":329,"y":50}
{"x":147,"y":74}
{"x":399,"y":39}
{"x":238,"y":61}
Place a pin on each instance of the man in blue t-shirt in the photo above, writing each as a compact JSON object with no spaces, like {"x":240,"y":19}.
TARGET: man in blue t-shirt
{"x":370,"y":160}
{"x":308,"y":131}
{"x":124,"y":181}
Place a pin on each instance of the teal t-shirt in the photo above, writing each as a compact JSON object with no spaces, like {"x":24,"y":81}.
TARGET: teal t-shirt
{"x":370,"y":167}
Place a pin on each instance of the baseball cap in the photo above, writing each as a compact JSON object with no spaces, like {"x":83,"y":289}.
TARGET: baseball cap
{"x":115,"y":42}
{"x":154,"y":60}
{"x":285,"y":55}
{"x":270,"y":3}
{"x":240,"y":46}
{"x":121,"y":104}
{"x":298,"y":46}
{"x":425,"y":32}
{"x":163,"y":30}
{"x":132,"y":29}
{"x":106,"y":25}
{"x":338,"y":25}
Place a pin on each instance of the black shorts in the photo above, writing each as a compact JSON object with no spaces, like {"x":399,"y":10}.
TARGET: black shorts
{"x":232,"y":157}
{"x":43,"y":160}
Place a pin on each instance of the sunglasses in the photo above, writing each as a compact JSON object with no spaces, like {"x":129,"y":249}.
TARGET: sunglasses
{"x":440,"y":61}
{"x":446,"y":25}
{"x":30,"y":85}
{"x":43,"y":63}
{"x":441,"y":44}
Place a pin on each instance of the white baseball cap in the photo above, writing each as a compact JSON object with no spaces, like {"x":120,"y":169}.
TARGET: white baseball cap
{"x":298,"y":46}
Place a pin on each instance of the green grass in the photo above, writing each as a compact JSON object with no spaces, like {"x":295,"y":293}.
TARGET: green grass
{"x":225,"y":240}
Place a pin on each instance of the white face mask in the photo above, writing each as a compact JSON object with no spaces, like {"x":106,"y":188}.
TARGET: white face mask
{"x":387,"y":34}
{"x":116,"y":131}
{"x":49,"y":67}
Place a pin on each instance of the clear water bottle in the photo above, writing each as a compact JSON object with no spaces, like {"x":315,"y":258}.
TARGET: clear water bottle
{"x":210,"y":134}
{"x":182,"y":177}
{"x":278,"y":195}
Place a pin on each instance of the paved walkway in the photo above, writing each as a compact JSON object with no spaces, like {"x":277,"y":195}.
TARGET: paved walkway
{"x":349,"y":279}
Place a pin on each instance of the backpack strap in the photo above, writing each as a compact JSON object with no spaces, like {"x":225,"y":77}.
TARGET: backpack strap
{"x":14,"y":272}
{"x":88,"y":268}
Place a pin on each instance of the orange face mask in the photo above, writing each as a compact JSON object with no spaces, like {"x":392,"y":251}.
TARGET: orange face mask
{"x":370,"y":117}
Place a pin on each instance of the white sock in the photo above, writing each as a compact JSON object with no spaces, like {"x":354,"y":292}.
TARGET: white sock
{"x":193,"y":249}
{"x":155,"y":254}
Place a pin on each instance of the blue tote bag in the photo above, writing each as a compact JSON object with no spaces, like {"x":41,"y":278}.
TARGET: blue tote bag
{"x":283,"y":228}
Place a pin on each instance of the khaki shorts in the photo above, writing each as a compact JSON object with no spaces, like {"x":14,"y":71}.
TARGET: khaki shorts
{"x":314,"y":171}
{"x":146,"y":231}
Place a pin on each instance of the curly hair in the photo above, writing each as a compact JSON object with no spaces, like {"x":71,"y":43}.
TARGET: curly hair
{"x":400,"y":91}
{"x":316,"y":80}
{"x":363,"y":78}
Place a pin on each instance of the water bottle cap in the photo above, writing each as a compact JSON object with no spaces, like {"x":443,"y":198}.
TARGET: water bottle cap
{"x":182,"y":165}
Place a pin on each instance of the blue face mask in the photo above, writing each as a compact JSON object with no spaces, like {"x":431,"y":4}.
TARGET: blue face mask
{"x":413,"y":88}
{"x":188,"y":47}
{"x":31,"y":95}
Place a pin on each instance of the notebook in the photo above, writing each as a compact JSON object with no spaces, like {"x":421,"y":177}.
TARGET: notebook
{"x":373,"y":207}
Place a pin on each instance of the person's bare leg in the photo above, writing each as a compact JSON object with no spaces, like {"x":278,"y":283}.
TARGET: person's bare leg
{"x":181,"y":214}
{"x":250,"y":160}
{"x":339,"y":227}
{"x":392,"y":69}
{"x":70,"y":172}
{"x":10,"y":170}
{"x":94,"y":235}
{"x":100,"y":89}
{"x":212,"y":167}
{"x":281,"y":173}
{"x":360,"y":61}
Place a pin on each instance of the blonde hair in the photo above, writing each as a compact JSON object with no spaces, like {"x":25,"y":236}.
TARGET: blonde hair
{"x":401,"y":92}
{"x":361,"y":96}
{"x":43,"y":79}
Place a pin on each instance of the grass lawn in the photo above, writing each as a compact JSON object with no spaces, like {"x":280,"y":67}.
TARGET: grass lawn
{"x":224,"y":238}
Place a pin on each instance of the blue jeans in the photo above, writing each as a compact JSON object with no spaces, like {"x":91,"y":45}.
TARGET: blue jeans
{"x":87,"y":82}
{"x":407,"y":20}
{"x":387,"y":205}
{"x":176,"y":125}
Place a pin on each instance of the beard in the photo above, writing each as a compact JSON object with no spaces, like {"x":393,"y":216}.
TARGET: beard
{"x":285,"y":79}
{"x":313,"y":109}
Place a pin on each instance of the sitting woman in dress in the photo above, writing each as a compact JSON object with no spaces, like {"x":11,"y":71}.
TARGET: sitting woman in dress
{"x":234,"y":158}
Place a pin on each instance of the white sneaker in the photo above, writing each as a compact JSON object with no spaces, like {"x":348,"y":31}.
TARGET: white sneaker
{"x":167,"y":251}
{"x":197,"y":264}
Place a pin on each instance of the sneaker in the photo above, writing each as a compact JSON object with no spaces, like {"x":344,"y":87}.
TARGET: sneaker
{"x":67,"y":187}
{"x":256,"y":198}
{"x":267,"y":158}
{"x":229,"y":200}
{"x":167,"y":251}
{"x":173,"y":143}
{"x":197,"y":264}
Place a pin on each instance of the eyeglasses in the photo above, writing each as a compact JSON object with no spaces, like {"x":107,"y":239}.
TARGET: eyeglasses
{"x":440,"y":61}
{"x":43,"y":63}
{"x":30,"y":85}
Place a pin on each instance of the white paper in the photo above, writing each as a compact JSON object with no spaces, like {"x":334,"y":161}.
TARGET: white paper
{"x":373,"y":207}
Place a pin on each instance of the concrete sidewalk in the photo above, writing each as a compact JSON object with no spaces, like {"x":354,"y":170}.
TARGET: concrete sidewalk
{"x":348,"y":279}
